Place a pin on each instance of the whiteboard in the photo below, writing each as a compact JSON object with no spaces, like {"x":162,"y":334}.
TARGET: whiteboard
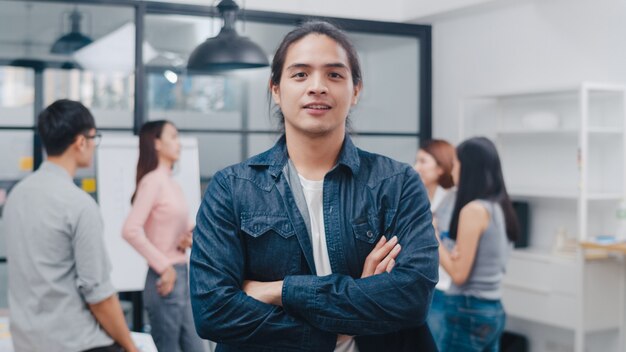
{"x":116,"y":167}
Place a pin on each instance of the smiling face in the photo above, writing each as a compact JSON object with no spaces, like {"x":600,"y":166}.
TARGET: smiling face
{"x":315,"y":92}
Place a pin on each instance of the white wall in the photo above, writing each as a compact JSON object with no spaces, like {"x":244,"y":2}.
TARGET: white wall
{"x":526,"y":44}
{"x":523,"y":45}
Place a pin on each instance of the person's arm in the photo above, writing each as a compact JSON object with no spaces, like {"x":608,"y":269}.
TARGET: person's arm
{"x":381,"y":259}
{"x":381,"y":303}
{"x":473,"y":220}
{"x":222,"y":311}
{"x":93,"y":276}
{"x":108,"y":313}
{"x":187,"y":238}
{"x":133,"y":232}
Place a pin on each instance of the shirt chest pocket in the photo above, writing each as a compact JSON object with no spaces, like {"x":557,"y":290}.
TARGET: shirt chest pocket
{"x":369,"y":229}
{"x":271,"y":247}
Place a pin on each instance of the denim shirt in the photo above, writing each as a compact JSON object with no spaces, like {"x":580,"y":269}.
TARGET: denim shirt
{"x":249,"y":228}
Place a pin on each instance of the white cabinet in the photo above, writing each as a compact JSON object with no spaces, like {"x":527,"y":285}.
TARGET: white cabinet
{"x":563,"y":151}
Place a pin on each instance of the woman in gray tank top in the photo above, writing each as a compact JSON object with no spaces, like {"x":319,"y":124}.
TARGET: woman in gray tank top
{"x":483,"y":227}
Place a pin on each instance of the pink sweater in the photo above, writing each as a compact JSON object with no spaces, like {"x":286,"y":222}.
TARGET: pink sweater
{"x":158,"y":220}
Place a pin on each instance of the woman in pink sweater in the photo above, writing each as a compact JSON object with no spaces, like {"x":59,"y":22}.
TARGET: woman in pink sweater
{"x":159,"y":228}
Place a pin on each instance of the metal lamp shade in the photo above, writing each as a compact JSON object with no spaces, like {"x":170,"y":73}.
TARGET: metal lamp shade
{"x":70,"y":42}
{"x":227,"y":51}
{"x":73,"y":40}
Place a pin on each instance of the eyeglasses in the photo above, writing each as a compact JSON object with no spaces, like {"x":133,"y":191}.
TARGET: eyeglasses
{"x":97,"y":137}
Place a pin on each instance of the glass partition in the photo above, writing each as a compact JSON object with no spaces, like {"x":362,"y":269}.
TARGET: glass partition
{"x":16,"y":161}
{"x":228,"y":113}
{"x":17,"y":95}
{"x":238,"y":102}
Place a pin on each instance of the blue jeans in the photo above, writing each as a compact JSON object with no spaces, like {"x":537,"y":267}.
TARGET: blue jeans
{"x":436,"y":317}
{"x":170,"y":316}
{"x":472,"y":324}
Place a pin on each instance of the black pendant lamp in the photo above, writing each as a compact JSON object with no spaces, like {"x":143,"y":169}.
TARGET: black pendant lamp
{"x":73,"y":40}
{"x":228,"y":50}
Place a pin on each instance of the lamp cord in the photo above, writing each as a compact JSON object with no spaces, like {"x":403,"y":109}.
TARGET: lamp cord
{"x":244,"y":17}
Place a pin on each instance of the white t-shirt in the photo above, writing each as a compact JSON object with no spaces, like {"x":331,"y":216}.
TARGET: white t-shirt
{"x":439,"y":198}
{"x":314,"y":194}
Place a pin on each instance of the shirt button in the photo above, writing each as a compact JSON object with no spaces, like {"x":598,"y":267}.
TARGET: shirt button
{"x":369,"y":234}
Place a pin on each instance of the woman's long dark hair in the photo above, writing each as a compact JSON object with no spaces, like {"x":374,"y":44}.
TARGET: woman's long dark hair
{"x":148,"y":156}
{"x":481,"y":178}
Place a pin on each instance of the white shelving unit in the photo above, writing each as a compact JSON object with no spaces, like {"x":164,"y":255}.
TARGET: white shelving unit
{"x":563,"y":151}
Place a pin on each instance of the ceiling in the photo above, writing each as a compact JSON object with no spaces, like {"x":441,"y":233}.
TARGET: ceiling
{"x":413,"y":11}
{"x":29,"y":28}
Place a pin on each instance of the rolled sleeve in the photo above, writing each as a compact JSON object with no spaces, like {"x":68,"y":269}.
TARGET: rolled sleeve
{"x":298,"y":294}
{"x":92,"y":262}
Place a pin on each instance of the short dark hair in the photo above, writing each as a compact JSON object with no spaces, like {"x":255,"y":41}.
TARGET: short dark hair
{"x":61,"y":122}
{"x":313,"y":27}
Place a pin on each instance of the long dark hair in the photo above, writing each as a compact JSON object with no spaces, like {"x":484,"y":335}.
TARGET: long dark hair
{"x":481,"y":178}
{"x":311,"y":27}
{"x":148,"y":156}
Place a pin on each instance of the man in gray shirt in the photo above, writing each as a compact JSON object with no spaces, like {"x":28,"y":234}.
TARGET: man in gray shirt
{"x":60,"y":294}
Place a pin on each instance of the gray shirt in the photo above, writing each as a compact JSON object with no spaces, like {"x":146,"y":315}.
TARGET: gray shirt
{"x":57,"y":264}
{"x":492,"y":254}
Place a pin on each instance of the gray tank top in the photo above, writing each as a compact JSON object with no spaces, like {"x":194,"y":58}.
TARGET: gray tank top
{"x":491,"y":256}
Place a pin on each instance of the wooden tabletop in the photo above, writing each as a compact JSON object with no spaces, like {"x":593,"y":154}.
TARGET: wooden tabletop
{"x":615,"y":247}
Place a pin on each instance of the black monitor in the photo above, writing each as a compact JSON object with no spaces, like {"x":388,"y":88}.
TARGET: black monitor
{"x":523,"y":217}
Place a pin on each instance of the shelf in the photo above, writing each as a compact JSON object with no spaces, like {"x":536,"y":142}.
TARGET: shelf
{"x":570,"y":172}
{"x":606,"y":131}
{"x":541,"y":256}
{"x":605,"y":196}
{"x":530,"y":132}
{"x":603,"y":131}
{"x":541,"y":92}
{"x":619,"y":247}
{"x":562,"y":194}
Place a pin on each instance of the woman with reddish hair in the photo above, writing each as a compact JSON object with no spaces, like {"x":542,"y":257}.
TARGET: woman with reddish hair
{"x":434,"y":163}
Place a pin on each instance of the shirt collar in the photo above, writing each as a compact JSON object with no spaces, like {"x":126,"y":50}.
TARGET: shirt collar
{"x":55,"y":169}
{"x":276,"y":158}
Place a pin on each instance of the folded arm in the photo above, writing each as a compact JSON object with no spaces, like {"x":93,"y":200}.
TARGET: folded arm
{"x":223,"y":312}
{"x":381,"y":303}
